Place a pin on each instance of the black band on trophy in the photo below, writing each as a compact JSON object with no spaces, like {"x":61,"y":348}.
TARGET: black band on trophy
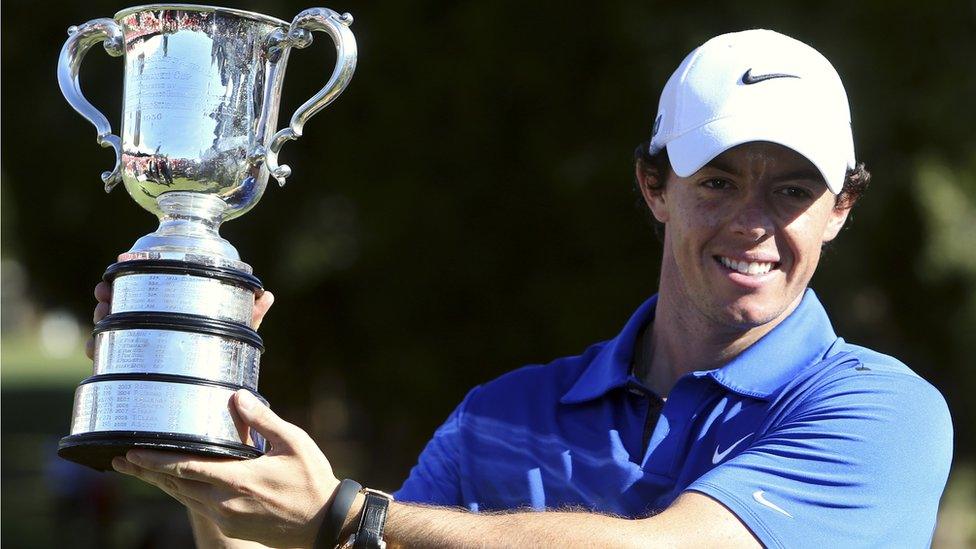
{"x":170,"y":378}
{"x":180,"y":322}
{"x":172,"y":266}
{"x":97,"y":449}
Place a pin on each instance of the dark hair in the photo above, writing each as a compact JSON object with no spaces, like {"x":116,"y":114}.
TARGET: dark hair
{"x":658,"y":165}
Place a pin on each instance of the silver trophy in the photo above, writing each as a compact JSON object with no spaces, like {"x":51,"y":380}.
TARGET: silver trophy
{"x":198,"y":142}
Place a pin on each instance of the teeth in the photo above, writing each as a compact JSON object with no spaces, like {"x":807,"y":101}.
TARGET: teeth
{"x":745,"y":267}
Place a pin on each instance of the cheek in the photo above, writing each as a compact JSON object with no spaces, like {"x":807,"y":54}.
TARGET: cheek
{"x":694,"y":223}
{"x":710,"y":213}
{"x":698,"y":218}
{"x":803,"y":238}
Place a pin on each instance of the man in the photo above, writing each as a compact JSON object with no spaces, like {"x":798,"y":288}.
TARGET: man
{"x":725,"y":413}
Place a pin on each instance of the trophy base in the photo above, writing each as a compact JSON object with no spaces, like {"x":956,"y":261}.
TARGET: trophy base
{"x":96,"y":450}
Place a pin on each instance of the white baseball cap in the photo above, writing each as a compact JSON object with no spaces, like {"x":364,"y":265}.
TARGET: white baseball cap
{"x":755,"y":85}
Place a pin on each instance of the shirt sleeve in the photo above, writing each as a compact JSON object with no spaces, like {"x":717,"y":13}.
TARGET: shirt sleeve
{"x":861,"y":462}
{"x":436,"y":478}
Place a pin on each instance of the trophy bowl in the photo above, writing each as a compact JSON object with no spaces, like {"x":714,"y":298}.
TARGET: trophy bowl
{"x":202,"y":86}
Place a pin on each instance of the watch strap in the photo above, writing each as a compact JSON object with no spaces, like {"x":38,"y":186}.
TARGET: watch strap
{"x":372,"y":522}
{"x":335,"y":515}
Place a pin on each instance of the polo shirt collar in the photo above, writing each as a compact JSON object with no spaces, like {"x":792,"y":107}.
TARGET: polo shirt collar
{"x":802,"y":339}
{"x":610,"y":368}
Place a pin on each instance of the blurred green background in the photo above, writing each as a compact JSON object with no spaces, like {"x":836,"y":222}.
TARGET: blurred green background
{"x":465,"y":208}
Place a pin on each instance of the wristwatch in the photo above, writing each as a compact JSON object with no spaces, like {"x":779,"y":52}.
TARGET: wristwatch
{"x":369,"y":535}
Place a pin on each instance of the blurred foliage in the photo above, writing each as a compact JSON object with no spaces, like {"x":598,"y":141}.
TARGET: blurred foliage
{"x":465,"y":207}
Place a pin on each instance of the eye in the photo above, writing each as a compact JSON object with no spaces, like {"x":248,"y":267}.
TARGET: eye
{"x":798,"y":193}
{"x":717,"y":184}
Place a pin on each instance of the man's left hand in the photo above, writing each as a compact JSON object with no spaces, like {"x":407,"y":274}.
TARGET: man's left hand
{"x":278,"y":499}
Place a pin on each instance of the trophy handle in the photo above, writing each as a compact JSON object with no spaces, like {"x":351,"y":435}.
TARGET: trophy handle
{"x":80,"y":39}
{"x":337,"y":27}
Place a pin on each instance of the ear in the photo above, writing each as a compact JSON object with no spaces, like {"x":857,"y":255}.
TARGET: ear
{"x":838,"y":216}
{"x":652,"y":190}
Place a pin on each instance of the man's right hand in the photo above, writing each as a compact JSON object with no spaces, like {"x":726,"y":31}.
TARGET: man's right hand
{"x":103,"y":294}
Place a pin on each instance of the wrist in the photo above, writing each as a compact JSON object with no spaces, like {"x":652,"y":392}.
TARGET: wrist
{"x":351,"y":522}
{"x":372,"y":516}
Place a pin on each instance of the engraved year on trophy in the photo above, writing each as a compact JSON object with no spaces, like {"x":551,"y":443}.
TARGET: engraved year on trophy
{"x":198,"y":142}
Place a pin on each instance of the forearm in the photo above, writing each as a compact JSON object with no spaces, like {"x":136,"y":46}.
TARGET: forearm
{"x":411,"y":525}
{"x":693,"y":520}
{"x":417,"y":526}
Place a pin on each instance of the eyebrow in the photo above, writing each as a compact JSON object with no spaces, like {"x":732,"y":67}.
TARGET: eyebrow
{"x":797,"y":175}
{"x":804,"y":174}
{"x":722,"y":166}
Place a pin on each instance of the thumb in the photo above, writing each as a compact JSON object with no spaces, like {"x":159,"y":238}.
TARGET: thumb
{"x":255,"y":414}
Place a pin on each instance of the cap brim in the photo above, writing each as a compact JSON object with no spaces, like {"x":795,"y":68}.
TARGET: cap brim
{"x":812,"y":139}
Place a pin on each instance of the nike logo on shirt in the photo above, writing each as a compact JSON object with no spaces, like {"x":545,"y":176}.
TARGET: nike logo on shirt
{"x":758,"y":496}
{"x":719,"y":456}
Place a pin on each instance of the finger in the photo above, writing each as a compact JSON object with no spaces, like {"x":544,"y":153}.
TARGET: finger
{"x":183,"y":466}
{"x":101,"y":311}
{"x":261,"y":307}
{"x":280,"y":433}
{"x":90,"y":348}
{"x":190,"y":493}
{"x":243,"y":431}
{"x":103,"y":292}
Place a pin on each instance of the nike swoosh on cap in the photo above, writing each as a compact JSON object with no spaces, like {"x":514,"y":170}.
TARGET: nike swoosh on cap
{"x":758,"y":496}
{"x":748,"y":78}
{"x":719,"y":456}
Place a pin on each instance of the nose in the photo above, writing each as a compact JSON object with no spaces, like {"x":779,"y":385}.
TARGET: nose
{"x":752,"y":221}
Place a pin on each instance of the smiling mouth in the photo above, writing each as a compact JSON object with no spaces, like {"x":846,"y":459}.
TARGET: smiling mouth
{"x":750,"y":268}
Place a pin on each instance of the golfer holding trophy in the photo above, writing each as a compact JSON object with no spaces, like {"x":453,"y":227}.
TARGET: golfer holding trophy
{"x":726,"y":413}
{"x":196,"y":148}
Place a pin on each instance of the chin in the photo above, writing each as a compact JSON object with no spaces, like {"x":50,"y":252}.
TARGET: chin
{"x":751,"y":312}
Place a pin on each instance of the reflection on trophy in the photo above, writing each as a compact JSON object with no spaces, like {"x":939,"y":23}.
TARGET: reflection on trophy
{"x":202,"y":88}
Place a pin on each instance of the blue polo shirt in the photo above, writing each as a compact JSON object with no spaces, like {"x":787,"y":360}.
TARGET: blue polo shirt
{"x":809,"y":440}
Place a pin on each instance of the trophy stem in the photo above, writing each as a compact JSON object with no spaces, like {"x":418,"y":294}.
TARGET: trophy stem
{"x":188,"y":225}
{"x":190,"y":214}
